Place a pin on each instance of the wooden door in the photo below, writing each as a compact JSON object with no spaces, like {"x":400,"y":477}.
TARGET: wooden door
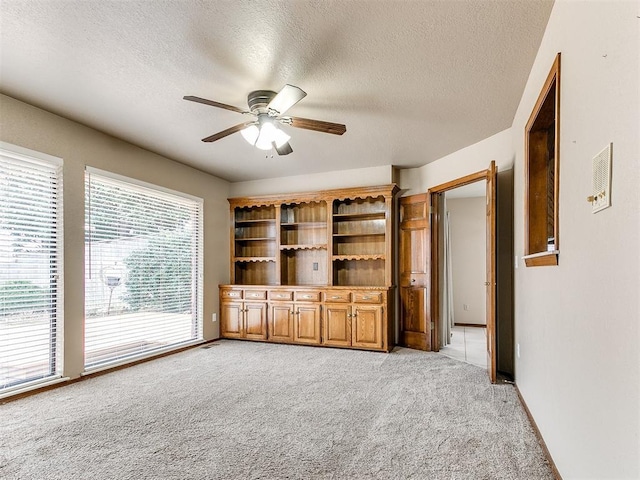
{"x":306,"y":324}
{"x":491,"y":271}
{"x":366,"y":330}
{"x":337,"y":325}
{"x":414,"y":272}
{"x":231,"y":315}
{"x":255,"y":321}
{"x":280,"y":325}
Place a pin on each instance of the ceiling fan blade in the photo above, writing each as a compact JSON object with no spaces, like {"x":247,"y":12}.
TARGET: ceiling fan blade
{"x":316,"y":125}
{"x":214,"y":104}
{"x":228,"y":131}
{"x":284,"y":149}
{"x":286,"y":98}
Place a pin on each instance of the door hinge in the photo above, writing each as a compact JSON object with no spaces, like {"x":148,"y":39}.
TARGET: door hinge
{"x":430,"y":210}
{"x":433,"y":325}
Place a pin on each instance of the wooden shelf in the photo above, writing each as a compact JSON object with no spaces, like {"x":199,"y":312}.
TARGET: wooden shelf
{"x":255,"y":239}
{"x":337,"y":258}
{"x":304,"y":225}
{"x":254,"y":259}
{"x":351,"y":235}
{"x":320,"y":246}
{"x":541,"y":259}
{"x":255,"y":221}
{"x":358,"y":216}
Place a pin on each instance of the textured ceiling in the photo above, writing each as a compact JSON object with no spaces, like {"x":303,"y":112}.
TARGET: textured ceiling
{"x":412,"y":80}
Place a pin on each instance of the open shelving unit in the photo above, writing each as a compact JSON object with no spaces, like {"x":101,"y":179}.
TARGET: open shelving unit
{"x":360,"y":238}
{"x":254,"y":244}
{"x":303,"y":243}
{"x":327,"y":238}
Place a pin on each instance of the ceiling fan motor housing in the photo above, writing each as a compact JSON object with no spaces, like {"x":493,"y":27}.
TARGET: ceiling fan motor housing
{"x":259,"y":99}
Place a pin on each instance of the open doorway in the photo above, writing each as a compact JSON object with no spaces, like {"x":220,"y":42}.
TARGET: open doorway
{"x":463,"y":290}
{"x":421,"y":272}
{"x":437,"y":303}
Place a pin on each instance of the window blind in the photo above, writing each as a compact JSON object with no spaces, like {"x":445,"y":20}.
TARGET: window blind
{"x":30,"y":267}
{"x":143,"y":269}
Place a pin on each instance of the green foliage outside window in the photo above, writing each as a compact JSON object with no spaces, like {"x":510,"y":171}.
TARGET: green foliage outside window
{"x":160,"y":275}
{"x":21,"y":296}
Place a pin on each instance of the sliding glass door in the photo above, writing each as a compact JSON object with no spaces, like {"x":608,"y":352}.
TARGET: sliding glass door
{"x":142,"y":269}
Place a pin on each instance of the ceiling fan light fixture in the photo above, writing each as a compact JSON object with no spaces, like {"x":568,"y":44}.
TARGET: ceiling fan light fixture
{"x":250,"y":134}
{"x":267,"y":134}
{"x":281,"y":138}
{"x":270,"y":134}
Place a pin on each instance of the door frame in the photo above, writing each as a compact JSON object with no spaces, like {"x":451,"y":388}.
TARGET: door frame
{"x":435,"y":195}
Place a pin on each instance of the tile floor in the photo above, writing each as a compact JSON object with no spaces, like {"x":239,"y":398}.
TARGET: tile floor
{"x":468,"y":344}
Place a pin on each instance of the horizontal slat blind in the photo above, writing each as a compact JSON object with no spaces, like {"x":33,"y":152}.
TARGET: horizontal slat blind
{"x":142,"y":270}
{"x":30,"y":269}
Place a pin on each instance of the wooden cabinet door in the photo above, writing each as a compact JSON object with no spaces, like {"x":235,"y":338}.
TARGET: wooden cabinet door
{"x":255,"y":321}
{"x":337,"y":325}
{"x":367,"y":326}
{"x":231,"y":315}
{"x":280,"y":322}
{"x":306,"y":324}
{"x":415,"y":323}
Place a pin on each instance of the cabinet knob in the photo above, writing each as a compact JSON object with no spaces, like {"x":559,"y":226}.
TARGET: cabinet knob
{"x":413,"y":280}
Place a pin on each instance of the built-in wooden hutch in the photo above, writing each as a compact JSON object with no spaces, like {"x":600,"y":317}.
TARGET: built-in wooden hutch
{"x":312,"y":268}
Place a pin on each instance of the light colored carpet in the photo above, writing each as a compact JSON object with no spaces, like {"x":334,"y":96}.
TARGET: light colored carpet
{"x":257,"y":410}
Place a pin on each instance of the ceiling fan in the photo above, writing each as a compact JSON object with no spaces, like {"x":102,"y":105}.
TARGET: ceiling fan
{"x":268,"y":108}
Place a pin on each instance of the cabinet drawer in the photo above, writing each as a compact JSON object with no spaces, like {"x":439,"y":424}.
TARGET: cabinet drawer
{"x":227,"y":293}
{"x":287,"y":296}
{"x":337,"y":297}
{"x":307,"y":296}
{"x":255,"y":295}
{"x":367,"y":297}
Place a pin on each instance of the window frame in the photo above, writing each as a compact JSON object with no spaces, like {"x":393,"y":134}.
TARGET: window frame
{"x":56,"y":271}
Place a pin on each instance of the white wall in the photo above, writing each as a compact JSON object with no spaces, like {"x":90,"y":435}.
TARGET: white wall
{"x":468,"y":226}
{"x":471,"y":159}
{"x":361,"y":177}
{"x":30,"y":127}
{"x":577,"y":323}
